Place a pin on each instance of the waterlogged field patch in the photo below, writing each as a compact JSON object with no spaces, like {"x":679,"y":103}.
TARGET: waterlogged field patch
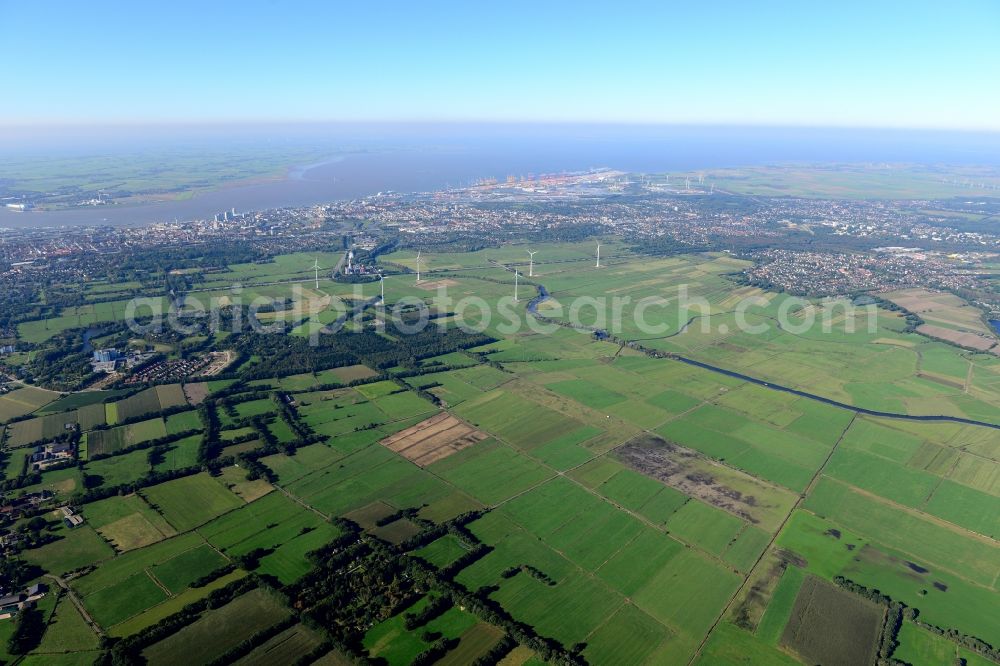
{"x":739,"y":494}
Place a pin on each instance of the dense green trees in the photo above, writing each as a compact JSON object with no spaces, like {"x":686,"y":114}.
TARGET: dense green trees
{"x":29,"y":626}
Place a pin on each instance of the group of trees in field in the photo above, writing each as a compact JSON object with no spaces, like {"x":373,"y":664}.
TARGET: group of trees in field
{"x":282,"y":355}
{"x":386,"y":580}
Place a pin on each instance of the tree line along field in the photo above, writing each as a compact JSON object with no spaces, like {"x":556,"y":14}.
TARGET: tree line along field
{"x":631,"y":509}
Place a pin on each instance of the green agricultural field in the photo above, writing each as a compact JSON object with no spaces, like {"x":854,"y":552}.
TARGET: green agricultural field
{"x":403,"y":405}
{"x":25,"y":433}
{"x":181,"y":570}
{"x":171,"y":606}
{"x":118,"y":470}
{"x":569,"y":519}
{"x":235,"y":478}
{"x":140,"y":404}
{"x":649,"y":498}
{"x":170,"y":395}
{"x":63,"y":482}
{"x":127,"y":522}
{"x":849,"y":181}
{"x":102,"y":442}
{"x":191,"y":501}
{"x":66,"y":631}
{"x":830,"y":549}
{"x":762,"y":450}
{"x":568,"y":611}
{"x":516,"y":420}
{"x":282,"y":431}
{"x":288,"y":562}
{"x":920,"y":647}
{"x":628,"y":637}
{"x":586,"y":393}
{"x":219,"y":629}
{"x":949,"y":549}
{"x":80,"y":400}
{"x":91,"y":416}
{"x":731,"y":645}
{"x":183,"y":422}
{"x":689,"y":594}
{"x":348,"y":374}
{"x":124,"y":599}
{"x":273,"y":522}
{"x":705,"y":526}
{"x":630,"y":507}
{"x":130,"y":585}
{"x":830,"y":623}
{"x":373,"y":473}
{"x":474,"y":643}
{"x":490,"y":472}
{"x":24,"y":401}
{"x":779,"y":608}
{"x":14,"y":463}
{"x":113,"y":571}
{"x":632,"y":568}
{"x":306,"y":460}
{"x":747,"y":548}
{"x":255,"y":408}
{"x":78,"y":548}
{"x":389,"y":640}
{"x":443,"y":551}
{"x":145,"y":431}
{"x":288,"y":647}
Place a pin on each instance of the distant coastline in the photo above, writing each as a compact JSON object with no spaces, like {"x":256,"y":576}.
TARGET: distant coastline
{"x":426,"y":163}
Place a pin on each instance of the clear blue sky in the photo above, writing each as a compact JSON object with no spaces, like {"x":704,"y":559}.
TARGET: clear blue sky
{"x":837,"y":63}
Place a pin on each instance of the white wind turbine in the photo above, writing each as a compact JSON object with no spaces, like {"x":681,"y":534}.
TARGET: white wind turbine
{"x":531,"y":263}
{"x":381,"y":284}
{"x":316,"y":269}
{"x":418,"y":265}
{"x":598,"y":255}
{"x":515,"y":285}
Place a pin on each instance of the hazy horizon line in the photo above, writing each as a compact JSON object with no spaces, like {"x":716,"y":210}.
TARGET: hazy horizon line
{"x":247,"y":123}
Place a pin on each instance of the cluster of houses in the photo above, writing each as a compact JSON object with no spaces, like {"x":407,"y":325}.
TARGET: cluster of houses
{"x":19,"y":507}
{"x":172,"y":370}
{"x":12,"y":604}
{"x":25,"y":506}
{"x":14,"y":510}
{"x":47,"y":455}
